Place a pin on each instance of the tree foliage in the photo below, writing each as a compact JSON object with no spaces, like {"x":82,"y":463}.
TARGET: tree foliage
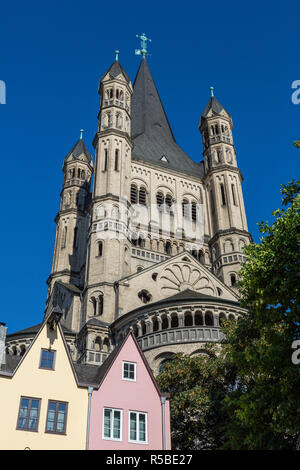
{"x":197,"y":389}
{"x":265,"y":404}
{"x":248,"y":395}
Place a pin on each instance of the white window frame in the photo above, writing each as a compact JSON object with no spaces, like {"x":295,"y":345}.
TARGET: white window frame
{"x":138,"y":413}
{"x":112,"y":424}
{"x":123,"y":368}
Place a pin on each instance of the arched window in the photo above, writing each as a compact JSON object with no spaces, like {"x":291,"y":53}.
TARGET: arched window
{"x":185,"y":208}
{"x":212,"y":201}
{"x":188,"y":319}
{"x":233,"y":195}
{"x":223,"y":199}
{"x":168,"y":202}
{"x":105,"y":345}
{"x":209,"y":319}
{"x":198,"y":318}
{"x":105,"y":159}
{"x":232,"y":279}
{"x":135,"y":331}
{"x":64,"y":237}
{"x":97,"y":344}
{"x":116,"y":159}
{"x":94,"y":303}
{"x":100,"y":249}
{"x":118,"y":120}
{"x":194,"y":211}
{"x":222,"y":318}
{"x":160,"y":200}
{"x":140,"y":242}
{"x":168,"y":248}
{"x":101,"y":303}
{"x":133,"y":194}
{"x":165,"y":323}
{"x":155,"y":324}
{"x":163,"y":363}
{"x":142,"y":196}
{"x":174,"y":320}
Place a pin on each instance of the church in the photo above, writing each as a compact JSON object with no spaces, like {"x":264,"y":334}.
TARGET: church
{"x":147,"y":240}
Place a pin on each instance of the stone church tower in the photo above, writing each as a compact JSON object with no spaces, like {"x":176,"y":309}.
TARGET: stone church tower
{"x":156,"y":243}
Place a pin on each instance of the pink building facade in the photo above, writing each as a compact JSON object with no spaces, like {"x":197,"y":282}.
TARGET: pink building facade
{"x":127,"y":410}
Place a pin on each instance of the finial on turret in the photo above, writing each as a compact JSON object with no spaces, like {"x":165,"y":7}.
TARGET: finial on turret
{"x":117,"y":55}
{"x":81,"y":132}
{"x":143,"y":50}
{"x":212,"y":91}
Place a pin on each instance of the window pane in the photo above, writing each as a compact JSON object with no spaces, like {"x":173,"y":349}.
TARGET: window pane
{"x":107,"y":415}
{"x":133,"y":424}
{"x":142,"y":427}
{"x":117,"y":425}
{"x":33,"y":417}
{"x":61,"y":415}
{"x":23,"y":413}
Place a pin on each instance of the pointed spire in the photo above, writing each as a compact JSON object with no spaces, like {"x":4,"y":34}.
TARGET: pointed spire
{"x":79,"y":149}
{"x":150,"y":129}
{"x":116,"y":69}
{"x":213,"y":105}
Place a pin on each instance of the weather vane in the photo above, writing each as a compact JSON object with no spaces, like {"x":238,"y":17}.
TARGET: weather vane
{"x":143,"y":50}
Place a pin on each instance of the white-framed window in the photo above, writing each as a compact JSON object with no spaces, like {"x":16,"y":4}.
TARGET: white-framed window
{"x":129,"y":371}
{"x":112,"y":424}
{"x":138,"y":427}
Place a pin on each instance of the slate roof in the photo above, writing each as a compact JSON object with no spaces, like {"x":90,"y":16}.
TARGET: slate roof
{"x":34,"y":330}
{"x":114,"y":70}
{"x":11,"y":363}
{"x":213,"y":105}
{"x":78,"y":149}
{"x":94,"y":375}
{"x":96,"y":322}
{"x":151,"y":131}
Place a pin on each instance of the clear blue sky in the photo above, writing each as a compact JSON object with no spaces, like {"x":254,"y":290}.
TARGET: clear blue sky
{"x":52,"y":56}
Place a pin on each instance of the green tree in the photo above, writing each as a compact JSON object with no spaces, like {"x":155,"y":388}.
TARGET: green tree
{"x":264,"y":403}
{"x":197,"y":387}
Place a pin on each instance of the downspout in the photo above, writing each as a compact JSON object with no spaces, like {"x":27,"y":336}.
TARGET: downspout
{"x":116,"y":289}
{"x":163,"y":401}
{"x":90,"y":391}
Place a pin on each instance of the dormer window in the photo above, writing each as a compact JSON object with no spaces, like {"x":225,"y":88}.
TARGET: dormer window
{"x":129,"y":371}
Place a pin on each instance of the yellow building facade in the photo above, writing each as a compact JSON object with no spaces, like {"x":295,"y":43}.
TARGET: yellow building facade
{"x":42,"y":404}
